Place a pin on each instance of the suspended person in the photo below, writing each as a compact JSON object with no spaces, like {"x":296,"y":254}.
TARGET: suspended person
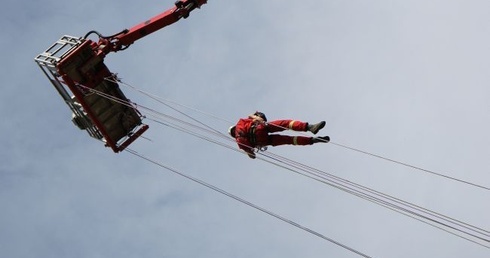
{"x":254,"y":132}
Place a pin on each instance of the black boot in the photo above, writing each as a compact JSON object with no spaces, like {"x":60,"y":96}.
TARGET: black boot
{"x":314,"y":128}
{"x":323,"y":139}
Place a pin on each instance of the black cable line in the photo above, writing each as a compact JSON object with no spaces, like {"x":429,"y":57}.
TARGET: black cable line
{"x":342,"y":184}
{"x":250,"y":204}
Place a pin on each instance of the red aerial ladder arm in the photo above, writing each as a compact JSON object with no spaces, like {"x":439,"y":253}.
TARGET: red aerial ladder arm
{"x":122,"y":40}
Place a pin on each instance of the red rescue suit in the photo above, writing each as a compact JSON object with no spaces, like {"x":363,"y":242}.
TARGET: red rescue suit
{"x":250,"y":134}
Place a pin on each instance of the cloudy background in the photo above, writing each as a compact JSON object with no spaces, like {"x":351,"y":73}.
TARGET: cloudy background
{"x":407,"y":80}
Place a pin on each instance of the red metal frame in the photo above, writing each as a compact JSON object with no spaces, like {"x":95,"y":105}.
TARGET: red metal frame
{"x":133,"y":137}
{"x":91,"y":80}
{"x":84,"y":66}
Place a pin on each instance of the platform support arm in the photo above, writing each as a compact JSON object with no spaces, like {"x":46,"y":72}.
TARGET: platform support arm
{"x":181,"y":9}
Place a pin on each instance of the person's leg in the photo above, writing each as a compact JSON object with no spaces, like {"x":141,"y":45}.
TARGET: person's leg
{"x":277,"y":139}
{"x":286,"y":124}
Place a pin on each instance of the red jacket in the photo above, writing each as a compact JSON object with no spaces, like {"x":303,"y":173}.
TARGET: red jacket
{"x":250,"y":134}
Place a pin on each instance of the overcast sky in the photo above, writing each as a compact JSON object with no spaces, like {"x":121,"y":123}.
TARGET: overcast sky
{"x":408,"y":80}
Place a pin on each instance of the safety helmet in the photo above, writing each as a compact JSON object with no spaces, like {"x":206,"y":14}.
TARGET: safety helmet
{"x":231,"y":131}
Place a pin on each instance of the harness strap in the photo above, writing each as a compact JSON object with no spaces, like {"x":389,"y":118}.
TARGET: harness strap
{"x":252,"y":138}
{"x":251,"y":135}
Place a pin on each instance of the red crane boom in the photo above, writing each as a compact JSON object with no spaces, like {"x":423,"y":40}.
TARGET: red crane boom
{"x":127,"y":37}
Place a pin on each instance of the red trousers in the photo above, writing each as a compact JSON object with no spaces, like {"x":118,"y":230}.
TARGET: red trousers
{"x":264,"y":137}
